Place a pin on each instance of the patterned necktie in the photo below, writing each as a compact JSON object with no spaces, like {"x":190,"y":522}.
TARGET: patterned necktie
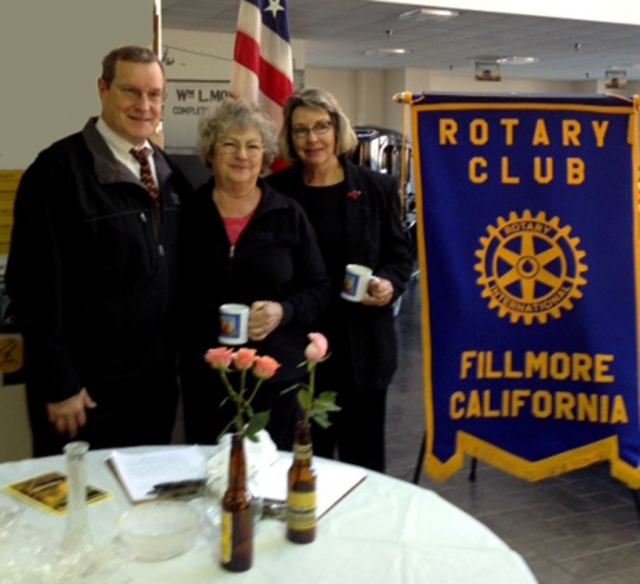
{"x":146,"y":177}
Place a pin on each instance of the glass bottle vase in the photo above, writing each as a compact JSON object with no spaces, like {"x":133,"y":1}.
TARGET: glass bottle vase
{"x":301,"y":494}
{"x":237,"y":518}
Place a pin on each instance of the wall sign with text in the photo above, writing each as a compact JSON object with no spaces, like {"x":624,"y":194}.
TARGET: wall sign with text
{"x":187,"y":101}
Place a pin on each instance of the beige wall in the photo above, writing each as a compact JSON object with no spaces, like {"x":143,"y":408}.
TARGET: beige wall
{"x":52,"y":51}
{"x":208,"y":55}
{"x":51,"y":63}
{"x":367,"y":96}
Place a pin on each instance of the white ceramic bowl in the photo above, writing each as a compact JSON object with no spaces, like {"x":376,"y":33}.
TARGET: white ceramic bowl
{"x":159,"y":529}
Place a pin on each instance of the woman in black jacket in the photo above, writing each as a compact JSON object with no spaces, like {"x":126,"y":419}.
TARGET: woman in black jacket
{"x":243,"y":242}
{"x":356,"y":215}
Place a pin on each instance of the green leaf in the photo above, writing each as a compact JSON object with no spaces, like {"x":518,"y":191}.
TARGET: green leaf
{"x":258,"y":422}
{"x":305,"y":400}
{"x":326,"y":403}
{"x":329,"y":396}
{"x":322,"y":419}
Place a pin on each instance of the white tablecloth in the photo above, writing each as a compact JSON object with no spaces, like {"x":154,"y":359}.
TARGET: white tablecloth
{"x":385,"y":531}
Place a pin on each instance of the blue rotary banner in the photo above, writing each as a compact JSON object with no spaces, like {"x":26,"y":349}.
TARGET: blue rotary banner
{"x":528,"y":238}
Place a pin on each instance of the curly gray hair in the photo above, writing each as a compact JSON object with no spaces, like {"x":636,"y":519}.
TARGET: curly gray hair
{"x":346,"y":139}
{"x":235,"y":114}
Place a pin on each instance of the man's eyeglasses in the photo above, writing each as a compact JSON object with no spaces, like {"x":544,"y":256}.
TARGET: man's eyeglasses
{"x":254,"y":149}
{"x":157,"y":96}
{"x":302,"y":132}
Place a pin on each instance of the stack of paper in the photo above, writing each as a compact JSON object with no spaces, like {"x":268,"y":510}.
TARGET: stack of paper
{"x":138,"y":474}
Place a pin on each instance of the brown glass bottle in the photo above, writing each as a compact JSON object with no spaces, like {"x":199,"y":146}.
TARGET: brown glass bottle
{"x":301,"y":496}
{"x":237,"y":523}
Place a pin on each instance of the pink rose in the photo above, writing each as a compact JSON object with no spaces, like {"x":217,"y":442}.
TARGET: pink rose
{"x":265,"y":367}
{"x":219,"y":358}
{"x":317,"y":349}
{"x":244,"y":358}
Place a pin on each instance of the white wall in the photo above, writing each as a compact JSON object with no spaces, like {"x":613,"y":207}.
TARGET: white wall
{"x":340,"y":82}
{"x":51,"y":54}
{"x":208,"y":55}
{"x":367,"y":96}
{"x":51,"y":60}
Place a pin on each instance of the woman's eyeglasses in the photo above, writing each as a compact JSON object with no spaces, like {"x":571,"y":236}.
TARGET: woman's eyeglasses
{"x":301,"y":132}
{"x":253,"y":149}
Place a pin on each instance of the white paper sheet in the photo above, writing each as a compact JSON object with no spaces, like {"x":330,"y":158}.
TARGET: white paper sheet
{"x":138,"y":473}
{"x":332,"y":484}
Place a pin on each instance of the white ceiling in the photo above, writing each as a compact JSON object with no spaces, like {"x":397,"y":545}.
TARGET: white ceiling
{"x":338,"y":32}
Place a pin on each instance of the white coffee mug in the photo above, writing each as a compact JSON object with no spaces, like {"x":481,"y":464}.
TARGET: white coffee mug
{"x":356,"y":282}
{"x":234,"y":324}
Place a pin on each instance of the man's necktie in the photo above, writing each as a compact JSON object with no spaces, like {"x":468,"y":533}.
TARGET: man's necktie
{"x":146,"y":177}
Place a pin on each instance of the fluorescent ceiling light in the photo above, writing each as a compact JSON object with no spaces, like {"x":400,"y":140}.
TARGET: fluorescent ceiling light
{"x":387,"y":52}
{"x":517,"y":60}
{"x":433,"y":14}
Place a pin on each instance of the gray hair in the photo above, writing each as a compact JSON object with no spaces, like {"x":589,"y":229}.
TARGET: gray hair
{"x":346,"y":139}
{"x":128,"y":54}
{"x":235,"y":114}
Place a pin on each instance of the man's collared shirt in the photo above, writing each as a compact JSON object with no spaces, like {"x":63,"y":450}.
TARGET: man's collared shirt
{"x":120,"y":149}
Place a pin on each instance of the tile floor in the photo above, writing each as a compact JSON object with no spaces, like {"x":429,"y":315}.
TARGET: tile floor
{"x":581,"y":527}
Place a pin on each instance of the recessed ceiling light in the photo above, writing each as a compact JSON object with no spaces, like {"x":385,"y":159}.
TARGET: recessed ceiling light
{"x":517,"y":60}
{"x":387,"y":52}
{"x":434,"y":14}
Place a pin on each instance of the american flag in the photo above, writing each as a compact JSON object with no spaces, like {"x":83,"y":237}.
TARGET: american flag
{"x":262,"y":70}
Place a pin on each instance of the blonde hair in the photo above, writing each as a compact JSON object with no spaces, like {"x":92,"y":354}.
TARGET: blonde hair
{"x":346,"y":140}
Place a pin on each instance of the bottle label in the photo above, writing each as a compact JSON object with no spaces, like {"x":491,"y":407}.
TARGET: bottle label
{"x":301,"y":511}
{"x":302,"y":451}
{"x":226,"y":537}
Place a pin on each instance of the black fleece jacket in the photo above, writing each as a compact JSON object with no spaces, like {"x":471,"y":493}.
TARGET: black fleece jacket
{"x":276,"y":258}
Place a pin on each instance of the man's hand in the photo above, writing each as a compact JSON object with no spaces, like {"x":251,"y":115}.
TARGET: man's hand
{"x":264,"y":317}
{"x":380,"y":293}
{"x":69,"y":415}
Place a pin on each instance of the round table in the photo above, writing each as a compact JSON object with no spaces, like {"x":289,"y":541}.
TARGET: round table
{"x":385,"y":531}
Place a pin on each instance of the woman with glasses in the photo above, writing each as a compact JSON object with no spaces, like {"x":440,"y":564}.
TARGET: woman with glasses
{"x":243,"y":242}
{"x":356,"y":215}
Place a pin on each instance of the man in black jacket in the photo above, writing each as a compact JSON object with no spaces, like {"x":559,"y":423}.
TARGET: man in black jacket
{"x":92,"y":271}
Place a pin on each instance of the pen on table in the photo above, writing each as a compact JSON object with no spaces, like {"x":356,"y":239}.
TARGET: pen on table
{"x":189,"y":487}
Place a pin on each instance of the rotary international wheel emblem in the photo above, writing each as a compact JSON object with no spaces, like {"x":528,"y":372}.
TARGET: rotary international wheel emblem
{"x":530,"y":267}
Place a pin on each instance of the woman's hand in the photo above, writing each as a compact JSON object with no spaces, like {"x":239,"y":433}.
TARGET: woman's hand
{"x":264,"y":317}
{"x":380,"y":293}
